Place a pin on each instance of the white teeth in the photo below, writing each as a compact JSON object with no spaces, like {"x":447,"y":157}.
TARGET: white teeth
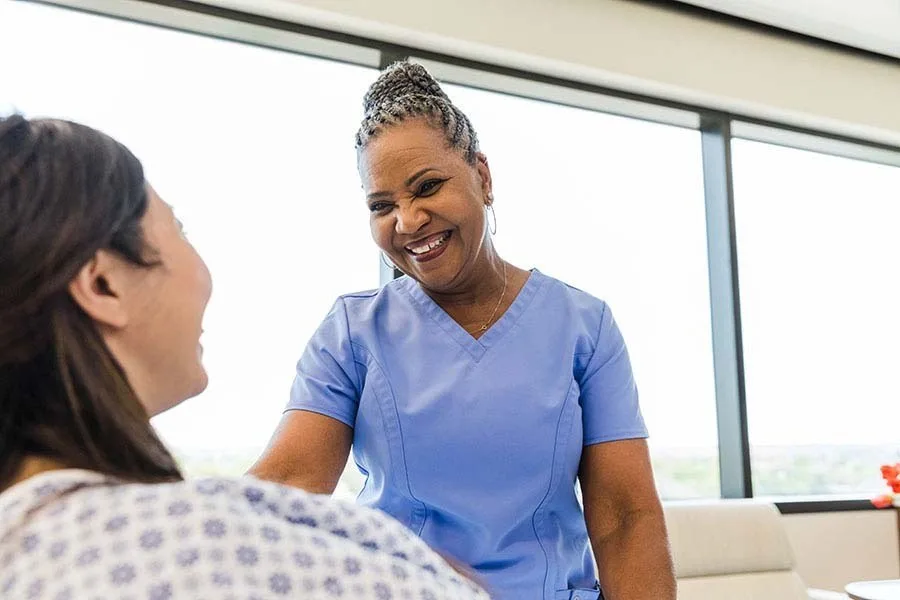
{"x":430,"y":246}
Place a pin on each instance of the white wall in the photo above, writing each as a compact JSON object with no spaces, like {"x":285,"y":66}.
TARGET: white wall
{"x":634,"y":46}
{"x":833,"y":549}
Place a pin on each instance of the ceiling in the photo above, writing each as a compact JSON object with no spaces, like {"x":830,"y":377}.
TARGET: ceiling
{"x":872,"y":25}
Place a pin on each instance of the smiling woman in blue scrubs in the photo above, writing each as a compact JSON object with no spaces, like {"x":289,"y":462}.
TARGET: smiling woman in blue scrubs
{"x":474,"y":394}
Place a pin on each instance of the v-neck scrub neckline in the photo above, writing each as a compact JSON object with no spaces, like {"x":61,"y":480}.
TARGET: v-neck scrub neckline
{"x":475,"y":347}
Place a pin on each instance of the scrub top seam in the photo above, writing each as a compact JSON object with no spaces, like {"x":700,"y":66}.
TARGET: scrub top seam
{"x":599,"y":333}
{"x":352,"y":352}
{"x":550,"y":487}
{"x":393,"y":402}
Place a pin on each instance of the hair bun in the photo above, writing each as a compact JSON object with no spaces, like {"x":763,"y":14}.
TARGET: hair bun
{"x":403,"y":78}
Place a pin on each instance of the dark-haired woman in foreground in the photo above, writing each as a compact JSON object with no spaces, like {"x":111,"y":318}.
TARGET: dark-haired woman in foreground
{"x":101,"y":304}
{"x":475,"y":393}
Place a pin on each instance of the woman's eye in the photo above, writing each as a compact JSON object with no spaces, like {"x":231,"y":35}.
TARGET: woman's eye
{"x":378,"y":207}
{"x":430,"y":187}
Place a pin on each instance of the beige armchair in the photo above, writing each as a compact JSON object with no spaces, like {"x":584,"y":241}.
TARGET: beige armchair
{"x":735,"y":550}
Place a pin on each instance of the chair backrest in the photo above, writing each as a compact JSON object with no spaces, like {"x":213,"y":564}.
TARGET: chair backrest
{"x":732,"y":550}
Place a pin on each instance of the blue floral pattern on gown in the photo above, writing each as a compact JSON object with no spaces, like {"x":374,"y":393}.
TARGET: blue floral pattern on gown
{"x":75,"y":534}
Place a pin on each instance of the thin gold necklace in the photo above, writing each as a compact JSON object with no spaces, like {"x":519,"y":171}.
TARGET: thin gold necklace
{"x":496,"y":308}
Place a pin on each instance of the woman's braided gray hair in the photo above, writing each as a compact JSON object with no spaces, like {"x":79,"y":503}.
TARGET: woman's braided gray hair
{"x":406,"y":90}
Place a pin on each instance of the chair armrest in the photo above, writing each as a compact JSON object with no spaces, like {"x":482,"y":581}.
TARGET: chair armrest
{"x":815,"y":594}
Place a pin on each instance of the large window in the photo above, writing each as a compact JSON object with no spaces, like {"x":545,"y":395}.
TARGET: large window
{"x":818,"y":246}
{"x":614,"y":206}
{"x":254,"y":149}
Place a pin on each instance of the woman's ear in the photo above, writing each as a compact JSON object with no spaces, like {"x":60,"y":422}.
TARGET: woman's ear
{"x":97,"y":289}
{"x":484,"y":173}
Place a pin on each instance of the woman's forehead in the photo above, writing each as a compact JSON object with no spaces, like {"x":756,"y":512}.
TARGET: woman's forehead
{"x":390,"y":156}
{"x":416,"y":134}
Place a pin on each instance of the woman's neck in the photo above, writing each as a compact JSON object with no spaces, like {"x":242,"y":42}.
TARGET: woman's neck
{"x":478,"y":306}
{"x":34,"y":465}
{"x":483,"y":286}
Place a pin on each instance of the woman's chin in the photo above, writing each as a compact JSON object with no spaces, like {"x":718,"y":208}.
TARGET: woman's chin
{"x":440,"y":282}
{"x":202,"y":381}
{"x":198,"y":384}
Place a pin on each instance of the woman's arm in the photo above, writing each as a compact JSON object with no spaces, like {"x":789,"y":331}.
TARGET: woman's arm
{"x":625,"y":522}
{"x":307,"y":451}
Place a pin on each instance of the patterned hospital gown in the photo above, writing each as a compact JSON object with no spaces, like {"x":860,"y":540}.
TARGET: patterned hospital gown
{"x":75,"y":534}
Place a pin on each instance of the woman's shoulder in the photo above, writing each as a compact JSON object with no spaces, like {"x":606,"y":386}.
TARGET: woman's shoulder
{"x":360,"y":308}
{"x":317,"y":534}
{"x":572,"y":297}
{"x":583,"y":316}
{"x":232,"y":535}
{"x":247,"y":500}
{"x":216,"y":507}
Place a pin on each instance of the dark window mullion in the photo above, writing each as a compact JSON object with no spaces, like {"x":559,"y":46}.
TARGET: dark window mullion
{"x":731,"y":405}
{"x":387,"y":59}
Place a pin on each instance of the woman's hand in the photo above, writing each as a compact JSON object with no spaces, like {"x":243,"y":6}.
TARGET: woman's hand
{"x":625,"y":522}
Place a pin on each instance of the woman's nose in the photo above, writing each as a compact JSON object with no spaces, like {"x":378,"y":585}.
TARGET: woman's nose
{"x":411,"y":219}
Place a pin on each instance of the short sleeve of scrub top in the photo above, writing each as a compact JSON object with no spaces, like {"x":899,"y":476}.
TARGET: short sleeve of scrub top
{"x":606,"y":376}
{"x":475,"y":445}
{"x":326,"y":380}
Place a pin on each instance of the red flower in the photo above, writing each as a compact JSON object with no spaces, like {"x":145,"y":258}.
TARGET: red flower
{"x":890,"y":471}
{"x":883,"y":501}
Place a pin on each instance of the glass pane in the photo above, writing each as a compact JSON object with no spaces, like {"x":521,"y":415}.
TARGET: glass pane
{"x":615,"y":206}
{"x":254,"y":148}
{"x":818,"y":246}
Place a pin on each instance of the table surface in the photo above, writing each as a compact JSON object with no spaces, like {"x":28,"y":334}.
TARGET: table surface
{"x":874,"y":590}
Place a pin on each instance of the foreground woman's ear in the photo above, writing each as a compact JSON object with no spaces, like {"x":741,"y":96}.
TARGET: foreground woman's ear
{"x":97,"y":290}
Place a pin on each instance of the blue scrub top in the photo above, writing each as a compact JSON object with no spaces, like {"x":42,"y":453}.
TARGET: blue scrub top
{"x":475,"y":444}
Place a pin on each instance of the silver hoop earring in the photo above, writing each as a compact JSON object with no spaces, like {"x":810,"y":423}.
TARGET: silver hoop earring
{"x":492,"y":227}
{"x":387,"y":262}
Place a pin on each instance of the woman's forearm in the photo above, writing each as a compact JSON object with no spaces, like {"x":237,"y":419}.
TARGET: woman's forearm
{"x":634,"y":559}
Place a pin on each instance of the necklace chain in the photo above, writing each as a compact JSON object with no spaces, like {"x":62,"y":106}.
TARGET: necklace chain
{"x":497,"y":307}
